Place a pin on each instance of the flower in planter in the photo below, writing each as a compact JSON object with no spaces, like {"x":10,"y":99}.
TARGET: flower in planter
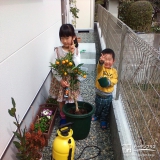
{"x":43,"y":120}
{"x":65,"y":68}
{"x":30,"y":143}
{"x":47,"y":113}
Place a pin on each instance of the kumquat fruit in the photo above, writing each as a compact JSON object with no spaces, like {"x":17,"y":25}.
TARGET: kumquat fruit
{"x":84,"y":76}
{"x":57,"y":62}
{"x":63,"y":62}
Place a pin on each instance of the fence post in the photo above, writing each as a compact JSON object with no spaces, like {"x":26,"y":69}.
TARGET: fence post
{"x":107,"y":30}
{"x":102,"y":9}
{"x":124,"y":31}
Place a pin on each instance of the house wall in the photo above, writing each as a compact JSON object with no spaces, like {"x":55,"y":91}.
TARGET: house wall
{"x":85,"y":22}
{"x":28,"y":34}
{"x":113,"y":7}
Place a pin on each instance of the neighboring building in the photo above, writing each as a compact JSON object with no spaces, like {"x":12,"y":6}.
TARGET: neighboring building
{"x":112,"y":7}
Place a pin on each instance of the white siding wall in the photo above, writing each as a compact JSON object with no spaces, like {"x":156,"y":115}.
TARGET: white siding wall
{"x":85,"y":14}
{"x":28,"y":34}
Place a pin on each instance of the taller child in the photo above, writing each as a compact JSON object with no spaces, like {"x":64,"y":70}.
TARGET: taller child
{"x":58,"y":84}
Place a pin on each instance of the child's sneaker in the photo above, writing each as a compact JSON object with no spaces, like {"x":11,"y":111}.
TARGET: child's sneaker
{"x":94,"y":118}
{"x":103,"y":125}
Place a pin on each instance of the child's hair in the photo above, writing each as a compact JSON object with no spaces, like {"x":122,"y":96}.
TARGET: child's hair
{"x":109,"y":51}
{"x":67,"y":30}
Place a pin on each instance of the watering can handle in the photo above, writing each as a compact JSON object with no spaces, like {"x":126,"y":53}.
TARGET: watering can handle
{"x":65,"y":131}
{"x":65,"y":125}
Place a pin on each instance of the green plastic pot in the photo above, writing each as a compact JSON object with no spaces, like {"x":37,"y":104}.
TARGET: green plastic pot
{"x":81,"y":123}
{"x":103,"y":81}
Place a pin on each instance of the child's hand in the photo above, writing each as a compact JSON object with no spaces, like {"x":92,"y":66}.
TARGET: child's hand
{"x":102,"y":58}
{"x":64,"y":83}
{"x":72,"y":47}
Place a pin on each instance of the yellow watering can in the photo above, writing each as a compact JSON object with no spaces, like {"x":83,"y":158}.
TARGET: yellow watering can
{"x":64,"y":144}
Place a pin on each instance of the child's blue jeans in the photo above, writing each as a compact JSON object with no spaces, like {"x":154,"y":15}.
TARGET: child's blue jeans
{"x":102,"y":107}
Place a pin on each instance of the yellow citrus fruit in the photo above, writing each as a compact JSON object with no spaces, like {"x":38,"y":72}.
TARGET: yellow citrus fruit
{"x":70,"y":63}
{"x":63,"y":62}
{"x":57,"y":62}
{"x":65,"y":73}
{"x":84,"y":76}
{"x":66,"y":60}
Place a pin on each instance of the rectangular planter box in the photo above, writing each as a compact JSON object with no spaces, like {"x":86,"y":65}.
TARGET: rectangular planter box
{"x":54,"y":109}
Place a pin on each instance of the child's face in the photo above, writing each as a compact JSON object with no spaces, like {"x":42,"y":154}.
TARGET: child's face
{"x":66,"y":41}
{"x":108,"y":60}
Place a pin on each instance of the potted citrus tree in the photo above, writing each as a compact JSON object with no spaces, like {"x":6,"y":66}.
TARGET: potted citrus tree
{"x":78,"y":112}
{"x":29,"y":142}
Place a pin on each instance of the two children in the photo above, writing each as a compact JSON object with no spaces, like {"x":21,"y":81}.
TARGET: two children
{"x":106,"y":78}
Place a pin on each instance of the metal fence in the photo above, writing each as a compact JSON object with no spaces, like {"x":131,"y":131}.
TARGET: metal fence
{"x":138,"y":66}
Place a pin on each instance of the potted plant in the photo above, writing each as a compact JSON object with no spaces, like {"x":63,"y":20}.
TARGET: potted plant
{"x":79,"y":110}
{"x":74,"y":10}
{"x":29,"y":143}
{"x":65,"y":67}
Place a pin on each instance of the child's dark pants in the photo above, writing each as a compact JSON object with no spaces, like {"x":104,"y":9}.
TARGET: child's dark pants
{"x":102,"y":106}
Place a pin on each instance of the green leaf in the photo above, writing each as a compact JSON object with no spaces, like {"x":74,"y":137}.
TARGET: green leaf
{"x":74,"y":67}
{"x":15,"y":124}
{"x":24,"y":138}
{"x":17,"y":135}
{"x":81,"y":64}
{"x":13,"y":103}
{"x":10,"y":113}
{"x":21,"y":149}
{"x":17,"y":144}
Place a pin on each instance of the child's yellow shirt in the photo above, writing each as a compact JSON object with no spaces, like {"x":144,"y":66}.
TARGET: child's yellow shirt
{"x":112,"y":76}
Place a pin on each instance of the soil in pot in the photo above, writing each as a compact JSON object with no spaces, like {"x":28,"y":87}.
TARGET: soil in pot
{"x":80,"y":112}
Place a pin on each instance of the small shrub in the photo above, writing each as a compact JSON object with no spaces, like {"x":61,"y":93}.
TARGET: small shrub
{"x":123,"y":11}
{"x":140,"y":16}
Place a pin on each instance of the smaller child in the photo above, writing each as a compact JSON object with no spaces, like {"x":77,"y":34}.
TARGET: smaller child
{"x":106,"y":78}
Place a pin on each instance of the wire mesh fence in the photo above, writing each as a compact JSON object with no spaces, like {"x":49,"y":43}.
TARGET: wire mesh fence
{"x":138,"y":66}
